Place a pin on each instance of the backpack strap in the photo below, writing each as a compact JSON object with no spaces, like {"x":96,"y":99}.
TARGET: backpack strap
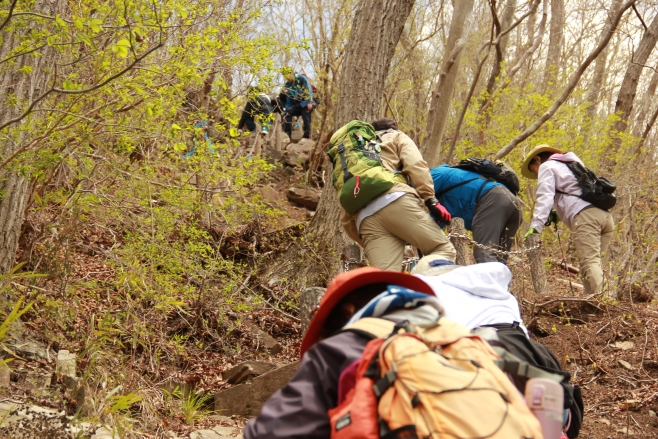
{"x":341,"y":152}
{"x":455,"y":186}
{"x":510,"y":363}
{"x":372,"y":327}
{"x":487,"y":180}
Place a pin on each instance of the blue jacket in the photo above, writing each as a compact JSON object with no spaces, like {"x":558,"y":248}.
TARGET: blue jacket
{"x":461,"y":200}
{"x":297,"y":91}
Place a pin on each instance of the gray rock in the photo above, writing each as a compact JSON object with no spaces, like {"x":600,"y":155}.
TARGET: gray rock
{"x":28,"y":348}
{"x":264,"y":339}
{"x":247,"y":399}
{"x":270,"y":194}
{"x":246,"y":371}
{"x":5,"y":377}
{"x":220,"y":418}
{"x":65,"y":364}
{"x":294,"y":159}
{"x":39,"y":380}
{"x":226,"y":431}
{"x":104,"y":433}
{"x":304,"y":147}
{"x":272,"y":154}
{"x":205,"y":434}
{"x":307,"y":197}
{"x":298,"y":133}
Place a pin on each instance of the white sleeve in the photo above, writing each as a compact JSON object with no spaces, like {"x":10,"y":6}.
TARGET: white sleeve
{"x":545,"y":198}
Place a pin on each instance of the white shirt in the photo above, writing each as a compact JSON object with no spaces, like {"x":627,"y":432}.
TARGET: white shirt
{"x":376,"y":205}
{"x":557,"y":175}
{"x":477,"y":295}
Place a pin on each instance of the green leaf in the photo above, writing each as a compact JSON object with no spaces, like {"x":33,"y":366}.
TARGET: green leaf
{"x":95,"y":24}
{"x":78,"y":23}
{"x":59,"y":21}
{"x":121,"y":48}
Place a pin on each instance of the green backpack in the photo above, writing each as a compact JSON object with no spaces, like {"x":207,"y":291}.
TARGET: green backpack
{"x":360,"y":175}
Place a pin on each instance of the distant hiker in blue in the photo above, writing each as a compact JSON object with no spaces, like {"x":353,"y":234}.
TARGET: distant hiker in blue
{"x":297,"y":100}
{"x":487,"y":207}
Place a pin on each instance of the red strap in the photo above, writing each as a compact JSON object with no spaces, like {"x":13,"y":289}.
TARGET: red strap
{"x":357,"y":189}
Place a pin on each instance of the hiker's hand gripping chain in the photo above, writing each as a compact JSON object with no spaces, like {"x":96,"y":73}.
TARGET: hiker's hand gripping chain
{"x":531,"y":231}
{"x":437,"y":210}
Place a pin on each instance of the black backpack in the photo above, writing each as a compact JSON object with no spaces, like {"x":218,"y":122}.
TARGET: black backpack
{"x":499,"y":172}
{"x":596,"y":190}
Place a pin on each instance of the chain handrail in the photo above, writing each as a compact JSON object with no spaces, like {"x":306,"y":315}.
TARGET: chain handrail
{"x":492,"y":249}
{"x":406,"y":263}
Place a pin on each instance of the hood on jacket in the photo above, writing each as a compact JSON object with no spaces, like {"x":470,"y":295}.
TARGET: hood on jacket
{"x":488,"y":279}
{"x":567,"y":157}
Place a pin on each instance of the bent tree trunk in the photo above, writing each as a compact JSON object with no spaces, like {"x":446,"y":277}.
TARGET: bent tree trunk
{"x":628,"y":89}
{"x":374,"y":35}
{"x":22,"y":89}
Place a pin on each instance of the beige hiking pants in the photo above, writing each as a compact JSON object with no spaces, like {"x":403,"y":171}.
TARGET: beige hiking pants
{"x":386,"y":232}
{"x":592,"y":231}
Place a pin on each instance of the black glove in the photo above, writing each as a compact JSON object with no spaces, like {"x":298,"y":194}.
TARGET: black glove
{"x":552,"y":218}
{"x":438,"y":212}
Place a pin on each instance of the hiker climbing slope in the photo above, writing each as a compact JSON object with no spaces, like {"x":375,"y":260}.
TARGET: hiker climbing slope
{"x":487,"y":207}
{"x":355,"y":317}
{"x":258,"y":105}
{"x":297,"y":100}
{"x":374,"y":166}
{"x":591,"y":226}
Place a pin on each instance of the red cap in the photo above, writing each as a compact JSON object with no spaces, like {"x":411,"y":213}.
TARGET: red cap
{"x":345,"y":283}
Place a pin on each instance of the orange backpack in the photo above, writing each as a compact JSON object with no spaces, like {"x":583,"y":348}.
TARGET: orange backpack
{"x":439,"y":382}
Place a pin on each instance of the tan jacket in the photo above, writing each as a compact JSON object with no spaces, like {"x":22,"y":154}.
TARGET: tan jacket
{"x":399,"y":152}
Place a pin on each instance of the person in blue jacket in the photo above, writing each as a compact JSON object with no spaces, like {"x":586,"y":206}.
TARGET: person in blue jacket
{"x":297,"y":100}
{"x":487,"y":207}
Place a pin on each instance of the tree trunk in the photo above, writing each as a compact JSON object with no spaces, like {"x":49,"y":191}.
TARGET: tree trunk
{"x":21,"y":88}
{"x":375,"y":33}
{"x":445,"y":86}
{"x":641,"y":115}
{"x":554,"y":43}
{"x":626,"y":97}
{"x":501,"y":47}
{"x":598,"y":79}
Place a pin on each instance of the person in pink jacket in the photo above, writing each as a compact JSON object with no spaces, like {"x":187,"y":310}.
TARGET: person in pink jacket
{"x":557,"y":186}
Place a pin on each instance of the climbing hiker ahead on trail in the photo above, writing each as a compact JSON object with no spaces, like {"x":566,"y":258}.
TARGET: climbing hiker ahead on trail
{"x":581,"y":200}
{"x":487,"y":207}
{"x":373,"y":169}
{"x":296,"y":98}
{"x":258,"y":105}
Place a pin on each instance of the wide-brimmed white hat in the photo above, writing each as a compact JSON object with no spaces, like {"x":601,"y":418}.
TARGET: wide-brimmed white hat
{"x":525,"y":170}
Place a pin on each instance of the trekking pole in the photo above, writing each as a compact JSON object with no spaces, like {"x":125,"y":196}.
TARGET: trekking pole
{"x":564,"y":259}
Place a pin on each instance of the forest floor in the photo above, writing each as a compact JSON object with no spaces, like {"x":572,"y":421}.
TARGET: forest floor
{"x":609,"y":346}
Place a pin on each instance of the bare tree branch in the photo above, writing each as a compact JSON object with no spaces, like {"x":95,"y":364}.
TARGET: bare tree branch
{"x":9,"y":15}
{"x":640,"y":17}
{"x":54,"y":89}
{"x":478,"y":70}
{"x":573,"y":82}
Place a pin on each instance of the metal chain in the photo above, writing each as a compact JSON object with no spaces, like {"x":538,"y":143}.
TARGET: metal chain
{"x":406,"y":263}
{"x":492,"y":249}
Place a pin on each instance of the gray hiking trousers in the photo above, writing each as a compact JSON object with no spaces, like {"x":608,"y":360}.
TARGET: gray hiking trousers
{"x":496,"y":220}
